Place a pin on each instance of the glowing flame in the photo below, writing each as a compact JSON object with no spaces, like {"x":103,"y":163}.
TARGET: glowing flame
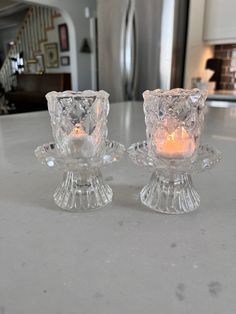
{"x":176,"y":144}
{"x":77,"y":131}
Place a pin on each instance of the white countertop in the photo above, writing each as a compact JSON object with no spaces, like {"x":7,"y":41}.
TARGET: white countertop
{"x":222,"y":95}
{"x":125,"y":258}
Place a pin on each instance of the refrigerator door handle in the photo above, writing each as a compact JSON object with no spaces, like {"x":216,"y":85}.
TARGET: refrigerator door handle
{"x":134,"y":54}
{"x":129,"y":49}
{"x":130,"y":52}
{"x":123,"y":50}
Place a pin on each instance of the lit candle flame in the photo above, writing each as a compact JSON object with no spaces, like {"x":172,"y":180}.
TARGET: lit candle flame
{"x":80,"y":143}
{"x":176,"y":144}
{"x":77,"y":131}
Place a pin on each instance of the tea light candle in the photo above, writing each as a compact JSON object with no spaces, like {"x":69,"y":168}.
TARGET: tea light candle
{"x":80,"y":143}
{"x":176,"y":144}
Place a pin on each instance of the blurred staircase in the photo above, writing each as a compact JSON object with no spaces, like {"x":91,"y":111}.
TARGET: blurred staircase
{"x":31,"y":33}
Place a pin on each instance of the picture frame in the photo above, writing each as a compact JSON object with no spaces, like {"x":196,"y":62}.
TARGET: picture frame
{"x":63,"y":37}
{"x":65,"y":60}
{"x":31,"y":66}
{"x":40,"y":63}
{"x":51,"y":55}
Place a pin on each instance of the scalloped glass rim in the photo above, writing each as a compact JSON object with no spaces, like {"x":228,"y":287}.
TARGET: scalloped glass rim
{"x":70,"y":93}
{"x":175,"y":92}
{"x":205,"y":157}
{"x":49,"y":155}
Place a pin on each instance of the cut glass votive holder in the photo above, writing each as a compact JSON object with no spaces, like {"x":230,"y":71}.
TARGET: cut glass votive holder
{"x":173,"y":126}
{"x":81,"y":148}
{"x":173,"y":121}
{"x":79,"y":122}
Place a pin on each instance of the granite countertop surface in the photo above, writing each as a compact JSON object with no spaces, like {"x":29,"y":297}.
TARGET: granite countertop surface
{"x":226,"y":95}
{"x":124,"y":258}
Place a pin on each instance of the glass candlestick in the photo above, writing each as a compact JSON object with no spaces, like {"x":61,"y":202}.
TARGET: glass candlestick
{"x":173,"y":127}
{"x":81,"y":148}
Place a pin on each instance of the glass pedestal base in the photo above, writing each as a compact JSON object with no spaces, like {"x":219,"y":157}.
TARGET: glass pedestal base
{"x":170,"y":189}
{"x":170,"y":195}
{"x":83,"y":191}
{"x":82,"y":188}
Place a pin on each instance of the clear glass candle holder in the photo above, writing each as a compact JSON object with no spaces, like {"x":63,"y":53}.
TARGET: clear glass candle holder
{"x":79,"y":122}
{"x":81,"y":148}
{"x":173,"y":121}
{"x":173,"y":126}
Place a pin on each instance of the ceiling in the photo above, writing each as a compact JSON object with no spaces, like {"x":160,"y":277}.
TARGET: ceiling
{"x":9,"y":12}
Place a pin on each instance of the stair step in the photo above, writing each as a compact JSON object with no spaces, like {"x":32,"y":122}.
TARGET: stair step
{"x":51,"y":28}
{"x":43,"y":41}
{"x":31,"y":34}
{"x":54,"y":16}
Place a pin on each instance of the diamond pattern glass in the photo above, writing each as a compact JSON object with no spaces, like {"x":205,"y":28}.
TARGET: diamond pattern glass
{"x":78,"y":122}
{"x":173,"y":121}
{"x":173,"y":127}
{"x":81,"y":148}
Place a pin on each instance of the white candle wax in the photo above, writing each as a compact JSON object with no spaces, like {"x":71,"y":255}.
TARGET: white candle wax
{"x":80,"y":143}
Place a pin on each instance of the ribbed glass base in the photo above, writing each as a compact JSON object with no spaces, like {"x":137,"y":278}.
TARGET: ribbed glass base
{"x":172,"y":194}
{"x":83,"y":190}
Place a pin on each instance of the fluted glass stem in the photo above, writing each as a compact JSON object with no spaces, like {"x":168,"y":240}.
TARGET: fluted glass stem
{"x":83,"y":190}
{"x":170,"y":193}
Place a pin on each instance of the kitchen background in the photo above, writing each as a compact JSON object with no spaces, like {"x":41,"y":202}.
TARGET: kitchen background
{"x":123,"y":47}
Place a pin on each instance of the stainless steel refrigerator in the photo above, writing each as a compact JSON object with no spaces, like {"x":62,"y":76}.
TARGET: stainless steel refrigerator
{"x":141,"y":45}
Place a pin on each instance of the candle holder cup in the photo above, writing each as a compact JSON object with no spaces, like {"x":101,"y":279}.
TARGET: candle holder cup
{"x":173,"y":126}
{"x":81,"y":148}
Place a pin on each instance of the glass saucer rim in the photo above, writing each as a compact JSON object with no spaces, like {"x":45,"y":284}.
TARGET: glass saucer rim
{"x":187,"y":165}
{"x":53,"y":157}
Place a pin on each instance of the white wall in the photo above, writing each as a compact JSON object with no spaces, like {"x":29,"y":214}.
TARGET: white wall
{"x":79,"y":28}
{"x":197,"y":51}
